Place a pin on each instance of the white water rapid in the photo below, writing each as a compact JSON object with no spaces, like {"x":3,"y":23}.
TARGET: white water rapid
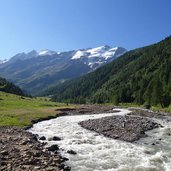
{"x":98,"y":153}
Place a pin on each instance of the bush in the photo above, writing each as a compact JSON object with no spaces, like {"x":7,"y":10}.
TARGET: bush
{"x":147,"y":105}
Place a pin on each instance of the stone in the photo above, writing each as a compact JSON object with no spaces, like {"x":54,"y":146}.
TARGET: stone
{"x":53,"y":148}
{"x":65,"y":168}
{"x":42,"y":138}
{"x":25,"y":142}
{"x":55,"y":138}
{"x":63,"y":159}
{"x":37,"y":154}
{"x":71,"y":152}
{"x":4,"y":153}
{"x":33,"y":138}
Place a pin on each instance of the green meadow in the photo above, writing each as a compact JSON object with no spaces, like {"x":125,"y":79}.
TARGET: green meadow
{"x":20,"y":111}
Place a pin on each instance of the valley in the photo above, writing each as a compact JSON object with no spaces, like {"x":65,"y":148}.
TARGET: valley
{"x":112,"y":118}
{"x":85,"y":85}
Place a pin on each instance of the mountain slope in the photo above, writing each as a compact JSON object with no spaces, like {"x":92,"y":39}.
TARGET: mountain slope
{"x":8,"y":87}
{"x":35,"y":71}
{"x":142,"y":76}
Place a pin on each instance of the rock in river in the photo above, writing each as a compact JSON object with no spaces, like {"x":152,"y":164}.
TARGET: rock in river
{"x":53,"y":148}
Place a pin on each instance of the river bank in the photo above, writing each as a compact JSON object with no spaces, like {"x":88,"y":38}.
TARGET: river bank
{"x":21,"y":150}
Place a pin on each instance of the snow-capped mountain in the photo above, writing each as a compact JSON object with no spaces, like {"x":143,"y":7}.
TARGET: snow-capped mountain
{"x":47,"y":52}
{"x":3,"y":61}
{"x":98,"y":52}
{"x":99,"y":55}
{"x":34,"y":71}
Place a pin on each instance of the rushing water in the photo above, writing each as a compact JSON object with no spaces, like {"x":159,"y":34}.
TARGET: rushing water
{"x":98,"y":153}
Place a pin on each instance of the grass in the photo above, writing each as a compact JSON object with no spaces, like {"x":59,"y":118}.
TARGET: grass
{"x":20,"y":111}
{"x":159,"y":108}
{"x":123,"y":104}
{"x":155,"y":108}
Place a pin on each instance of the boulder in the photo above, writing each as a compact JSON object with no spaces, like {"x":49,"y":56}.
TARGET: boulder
{"x":71,"y":152}
{"x":55,"y":138}
{"x":63,"y":159}
{"x":53,"y":148}
{"x":65,"y":168}
{"x":42,"y":138}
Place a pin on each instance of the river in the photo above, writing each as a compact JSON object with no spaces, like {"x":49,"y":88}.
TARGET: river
{"x":98,"y":153}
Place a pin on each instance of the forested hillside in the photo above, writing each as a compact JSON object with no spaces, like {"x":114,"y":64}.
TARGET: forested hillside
{"x":142,"y":76}
{"x":9,"y":87}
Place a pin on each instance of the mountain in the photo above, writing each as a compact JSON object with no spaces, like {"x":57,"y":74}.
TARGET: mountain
{"x":3,"y":61}
{"x":97,"y":56}
{"x":142,"y":76}
{"x":35,"y":71}
{"x":8,"y":87}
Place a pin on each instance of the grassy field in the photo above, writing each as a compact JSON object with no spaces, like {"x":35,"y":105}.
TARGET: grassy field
{"x":19,"y":111}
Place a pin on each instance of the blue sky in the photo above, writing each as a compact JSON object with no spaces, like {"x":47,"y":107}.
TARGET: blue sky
{"x":63,"y":25}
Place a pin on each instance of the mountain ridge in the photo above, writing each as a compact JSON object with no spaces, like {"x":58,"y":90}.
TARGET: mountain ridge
{"x":34,"y":71}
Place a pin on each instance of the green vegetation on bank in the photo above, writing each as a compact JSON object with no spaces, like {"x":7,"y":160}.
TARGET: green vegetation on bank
{"x":141,"y":76}
{"x":157,"y":108}
{"x":20,"y":111}
{"x":9,"y":87}
{"x":154,"y":108}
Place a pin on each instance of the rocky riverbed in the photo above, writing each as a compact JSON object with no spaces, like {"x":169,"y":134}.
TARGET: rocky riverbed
{"x":126,"y":128}
{"x":20,"y":150}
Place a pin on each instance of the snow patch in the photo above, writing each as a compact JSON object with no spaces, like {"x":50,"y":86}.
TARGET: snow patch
{"x":79,"y":54}
{"x":3,"y":61}
{"x":105,"y":52}
{"x":95,"y":57}
{"x":46,"y":52}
